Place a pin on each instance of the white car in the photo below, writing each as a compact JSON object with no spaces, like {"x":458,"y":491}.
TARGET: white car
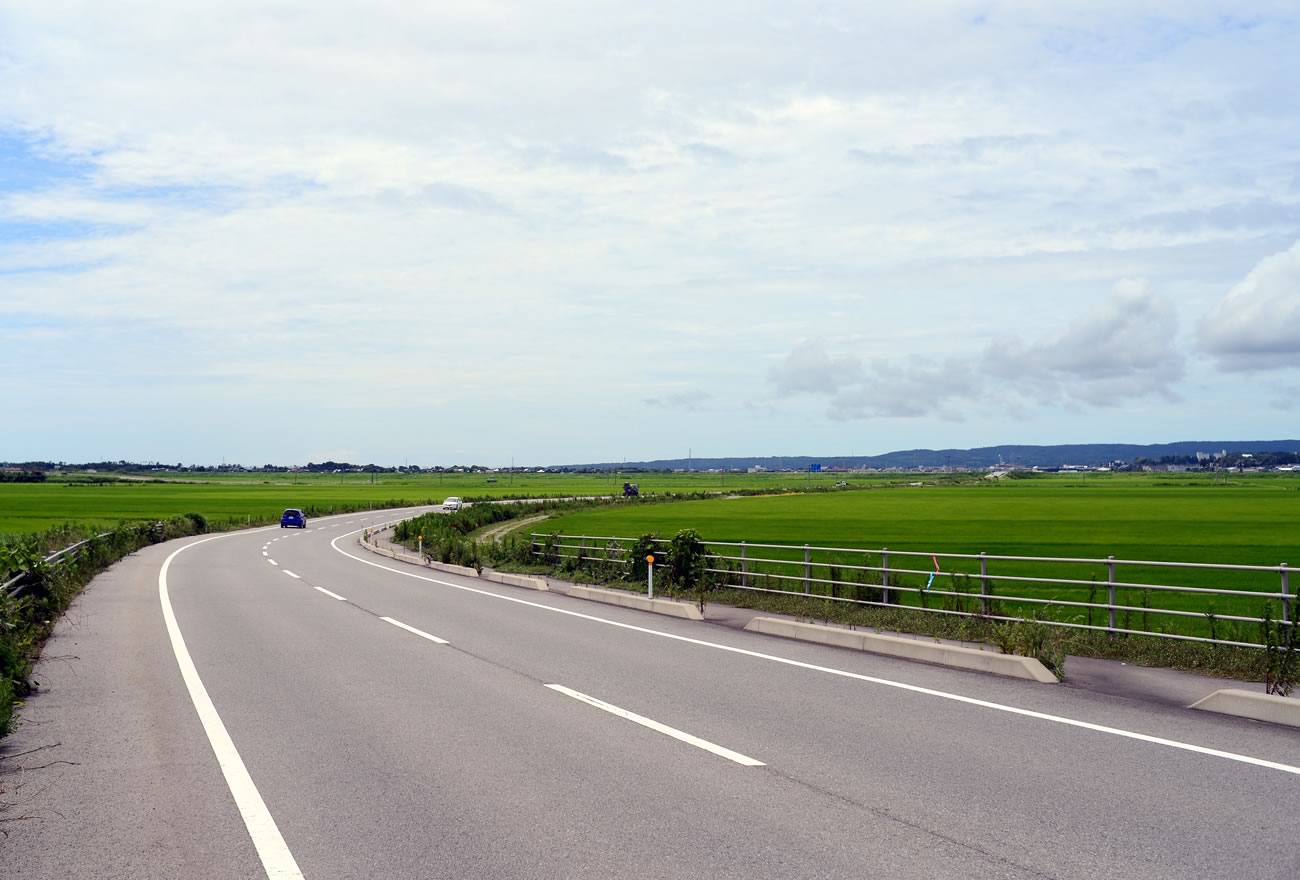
{"x":451,"y":505}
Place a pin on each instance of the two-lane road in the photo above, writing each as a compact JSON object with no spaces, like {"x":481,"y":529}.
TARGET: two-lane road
{"x":367,"y":718}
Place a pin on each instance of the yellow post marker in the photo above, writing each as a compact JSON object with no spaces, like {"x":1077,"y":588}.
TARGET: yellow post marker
{"x":420,"y":545}
{"x":650,"y":574}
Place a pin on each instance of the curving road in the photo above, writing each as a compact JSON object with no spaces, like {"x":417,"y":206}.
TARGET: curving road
{"x":280,"y":703}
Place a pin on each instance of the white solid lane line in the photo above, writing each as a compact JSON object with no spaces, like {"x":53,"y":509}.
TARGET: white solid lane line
{"x":276,"y":858}
{"x":290,"y":574}
{"x":829,"y":670}
{"x":419,"y":632}
{"x":331,"y":595}
{"x":662,"y":728}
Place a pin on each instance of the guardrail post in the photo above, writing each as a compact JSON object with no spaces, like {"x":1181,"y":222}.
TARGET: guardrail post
{"x":744,"y":566}
{"x":884,"y":574}
{"x":984,"y":584}
{"x":807,"y":569}
{"x":582,"y":549}
{"x":1286,"y":592}
{"x":1110,"y":579}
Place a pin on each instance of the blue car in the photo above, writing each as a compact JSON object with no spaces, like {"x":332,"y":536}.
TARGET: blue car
{"x":293,"y":517}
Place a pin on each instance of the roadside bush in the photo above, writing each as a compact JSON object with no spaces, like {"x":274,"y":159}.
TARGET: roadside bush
{"x":686,"y":560}
{"x":1281,"y":660}
{"x":1032,"y":638}
{"x":638,"y":569}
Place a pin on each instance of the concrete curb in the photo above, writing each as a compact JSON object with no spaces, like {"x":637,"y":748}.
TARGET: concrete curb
{"x":910,"y":649}
{"x":1249,"y":704}
{"x":462,"y":570}
{"x":516,"y":580}
{"x":684,"y":610}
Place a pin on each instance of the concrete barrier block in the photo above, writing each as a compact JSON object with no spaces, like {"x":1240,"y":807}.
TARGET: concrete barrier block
{"x":1251,"y":704}
{"x":684,"y":610}
{"x":516,"y":580}
{"x":463,"y":570}
{"x":956,"y":656}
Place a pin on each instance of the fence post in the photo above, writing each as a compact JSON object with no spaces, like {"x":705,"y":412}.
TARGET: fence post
{"x":1286,"y":592}
{"x":984,"y":584}
{"x":884,"y":574}
{"x":744,"y":566}
{"x":1110,"y":579}
{"x":582,"y":549}
{"x":807,"y":569}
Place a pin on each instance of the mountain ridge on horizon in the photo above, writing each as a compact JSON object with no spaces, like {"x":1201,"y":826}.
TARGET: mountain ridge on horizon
{"x":1024,"y":455}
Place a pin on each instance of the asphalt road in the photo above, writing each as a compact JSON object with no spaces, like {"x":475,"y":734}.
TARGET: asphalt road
{"x":426,"y":725}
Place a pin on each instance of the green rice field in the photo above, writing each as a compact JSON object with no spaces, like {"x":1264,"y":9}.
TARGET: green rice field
{"x":1245,"y":519}
{"x":1253,"y":520}
{"x":99,"y":499}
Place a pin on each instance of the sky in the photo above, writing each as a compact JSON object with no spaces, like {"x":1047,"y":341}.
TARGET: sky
{"x":566,"y":232}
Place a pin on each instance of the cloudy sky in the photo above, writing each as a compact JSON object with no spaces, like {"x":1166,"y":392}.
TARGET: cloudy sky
{"x":572,"y":231}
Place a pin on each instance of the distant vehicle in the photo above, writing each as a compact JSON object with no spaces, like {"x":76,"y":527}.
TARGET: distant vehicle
{"x":293,"y":518}
{"x":630,"y":490}
{"x":451,"y":505}
{"x":842,"y":484}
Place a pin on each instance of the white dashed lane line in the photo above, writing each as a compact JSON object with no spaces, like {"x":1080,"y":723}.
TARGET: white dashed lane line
{"x":331,"y":595}
{"x":419,"y":632}
{"x":661,"y":728}
{"x":290,"y":574}
{"x":273,"y":562}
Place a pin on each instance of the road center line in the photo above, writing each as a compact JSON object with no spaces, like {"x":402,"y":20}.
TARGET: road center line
{"x":843,"y":673}
{"x":331,"y":595}
{"x":290,"y":574}
{"x":419,"y":632}
{"x":661,"y":728}
{"x":276,"y":858}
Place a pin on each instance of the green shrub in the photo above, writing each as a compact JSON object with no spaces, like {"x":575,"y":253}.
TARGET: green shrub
{"x":687,"y":559}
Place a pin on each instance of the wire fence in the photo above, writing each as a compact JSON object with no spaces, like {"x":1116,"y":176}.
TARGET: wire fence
{"x":1205,"y":602}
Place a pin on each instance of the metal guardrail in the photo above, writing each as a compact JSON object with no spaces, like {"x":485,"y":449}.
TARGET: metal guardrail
{"x":820,"y":572}
{"x":16,"y":586}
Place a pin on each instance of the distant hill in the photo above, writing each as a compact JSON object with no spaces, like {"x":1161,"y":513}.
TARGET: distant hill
{"x":1092,"y":454}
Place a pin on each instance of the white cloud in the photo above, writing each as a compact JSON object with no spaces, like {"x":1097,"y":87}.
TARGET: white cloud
{"x":1123,"y":349}
{"x":808,"y":368}
{"x":1256,"y":326}
{"x":648,"y":197}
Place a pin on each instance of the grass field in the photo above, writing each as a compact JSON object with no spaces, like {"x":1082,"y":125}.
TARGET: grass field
{"x":1252,"y":521}
{"x":33,"y":507}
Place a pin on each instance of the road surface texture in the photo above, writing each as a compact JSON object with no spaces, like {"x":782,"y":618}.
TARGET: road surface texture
{"x":277,"y":703}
